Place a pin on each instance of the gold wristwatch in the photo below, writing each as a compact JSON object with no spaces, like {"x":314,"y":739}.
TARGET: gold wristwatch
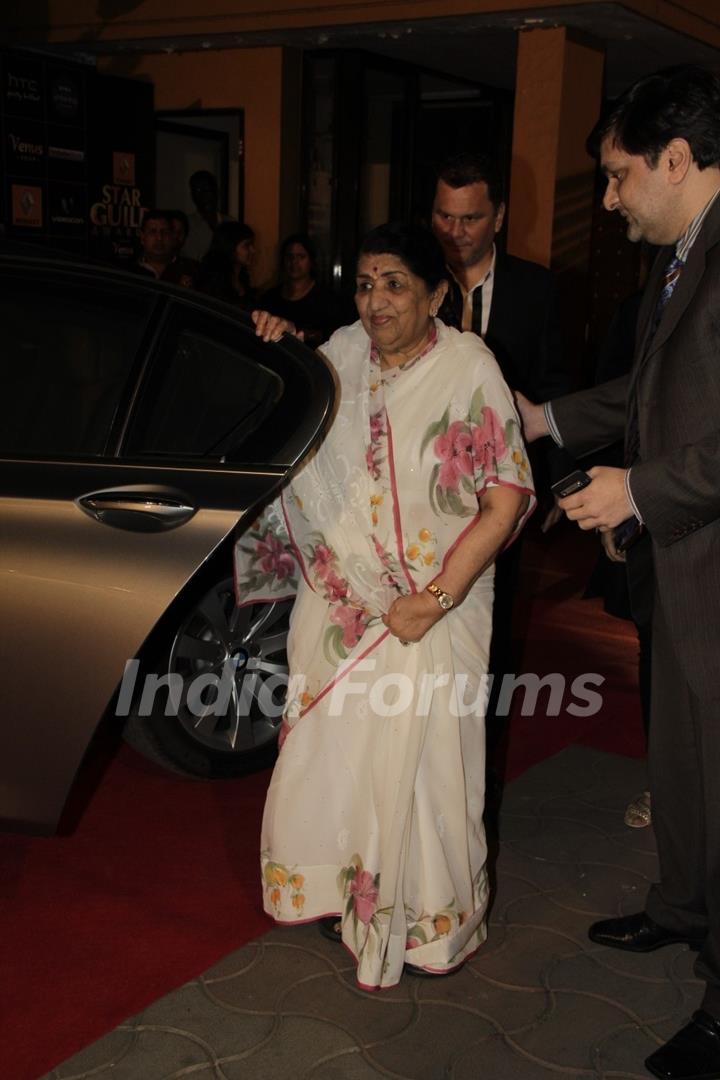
{"x":444,"y":599}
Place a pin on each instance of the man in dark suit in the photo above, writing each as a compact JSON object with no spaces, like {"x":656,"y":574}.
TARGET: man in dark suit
{"x":510,"y":303}
{"x":659,"y":147}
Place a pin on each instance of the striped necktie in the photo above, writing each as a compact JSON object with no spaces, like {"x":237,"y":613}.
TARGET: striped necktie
{"x":672,"y":273}
{"x":670,"y":279}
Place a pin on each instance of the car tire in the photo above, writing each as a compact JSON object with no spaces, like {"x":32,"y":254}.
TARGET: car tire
{"x":212,"y":708}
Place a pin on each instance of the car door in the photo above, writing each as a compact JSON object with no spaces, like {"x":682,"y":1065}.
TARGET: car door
{"x":139,"y":427}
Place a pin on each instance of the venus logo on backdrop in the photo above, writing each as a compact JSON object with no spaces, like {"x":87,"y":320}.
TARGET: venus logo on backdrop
{"x":21,"y":146}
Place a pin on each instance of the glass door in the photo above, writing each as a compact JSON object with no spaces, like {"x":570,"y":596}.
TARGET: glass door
{"x":374,"y":132}
{"x":385,"y":147}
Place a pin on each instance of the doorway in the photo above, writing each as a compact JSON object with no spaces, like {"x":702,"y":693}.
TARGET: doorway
{"x":190,"y":140}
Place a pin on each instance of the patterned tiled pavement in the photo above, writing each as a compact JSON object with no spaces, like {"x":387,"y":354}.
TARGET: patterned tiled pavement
{"x":538,"y":1001}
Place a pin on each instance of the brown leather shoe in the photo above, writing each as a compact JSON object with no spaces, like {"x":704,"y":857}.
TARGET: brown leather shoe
{"x":692,"y":1054}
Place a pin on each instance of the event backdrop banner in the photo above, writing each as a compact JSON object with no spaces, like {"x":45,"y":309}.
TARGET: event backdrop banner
{"x":44,"y":137}
{"x":77,"y":155}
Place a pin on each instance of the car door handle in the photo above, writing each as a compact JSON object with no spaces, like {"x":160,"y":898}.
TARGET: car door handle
{"x":138,"y":510}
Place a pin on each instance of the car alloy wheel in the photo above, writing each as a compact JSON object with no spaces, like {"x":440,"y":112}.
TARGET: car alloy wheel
{"x":224,"y":683}
{"x":233,"y":663}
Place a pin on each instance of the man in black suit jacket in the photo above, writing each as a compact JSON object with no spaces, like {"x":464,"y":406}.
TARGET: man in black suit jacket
{"x":659,"y":147}
{"x":507,"y":301}
{"x":510,"y":303}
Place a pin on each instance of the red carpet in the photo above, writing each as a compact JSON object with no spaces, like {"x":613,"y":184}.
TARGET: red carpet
{"x":158,"y":880}
{"x":565,"y":633}
{"x":157,"y":877}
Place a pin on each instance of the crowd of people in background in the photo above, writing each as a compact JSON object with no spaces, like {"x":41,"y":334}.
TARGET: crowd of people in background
{"x":211,"y":252}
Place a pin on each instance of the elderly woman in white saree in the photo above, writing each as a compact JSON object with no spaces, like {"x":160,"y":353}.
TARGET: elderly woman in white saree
{"x":388,"y":536}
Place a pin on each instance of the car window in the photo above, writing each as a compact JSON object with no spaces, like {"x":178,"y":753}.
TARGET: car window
{"x":211,"y":397}
{"x":67,"y":353}
{"x":216,"y":391}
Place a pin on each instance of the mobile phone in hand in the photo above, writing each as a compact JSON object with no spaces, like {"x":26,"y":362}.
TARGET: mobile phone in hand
{"x":574,"y":481}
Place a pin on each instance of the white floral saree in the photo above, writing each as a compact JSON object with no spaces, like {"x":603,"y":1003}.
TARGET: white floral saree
{"x":375,"y":806}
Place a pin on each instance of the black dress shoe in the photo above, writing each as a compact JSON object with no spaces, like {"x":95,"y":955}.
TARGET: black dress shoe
{"x":639,"y":933}
{"x":692,"y":1054}
{"x":331,"y":928}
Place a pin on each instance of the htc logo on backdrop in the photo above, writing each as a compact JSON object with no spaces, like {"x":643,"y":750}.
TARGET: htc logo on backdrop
{"x":23,"y":89}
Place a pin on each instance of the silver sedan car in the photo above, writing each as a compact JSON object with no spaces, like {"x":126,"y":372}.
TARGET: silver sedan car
{"x":142,"y":429}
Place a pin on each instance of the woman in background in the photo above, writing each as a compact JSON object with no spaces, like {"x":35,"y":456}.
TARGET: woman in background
{"x":312,"y":309}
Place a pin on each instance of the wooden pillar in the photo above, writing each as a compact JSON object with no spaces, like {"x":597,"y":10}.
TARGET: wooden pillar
{"x":558,"y":96}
